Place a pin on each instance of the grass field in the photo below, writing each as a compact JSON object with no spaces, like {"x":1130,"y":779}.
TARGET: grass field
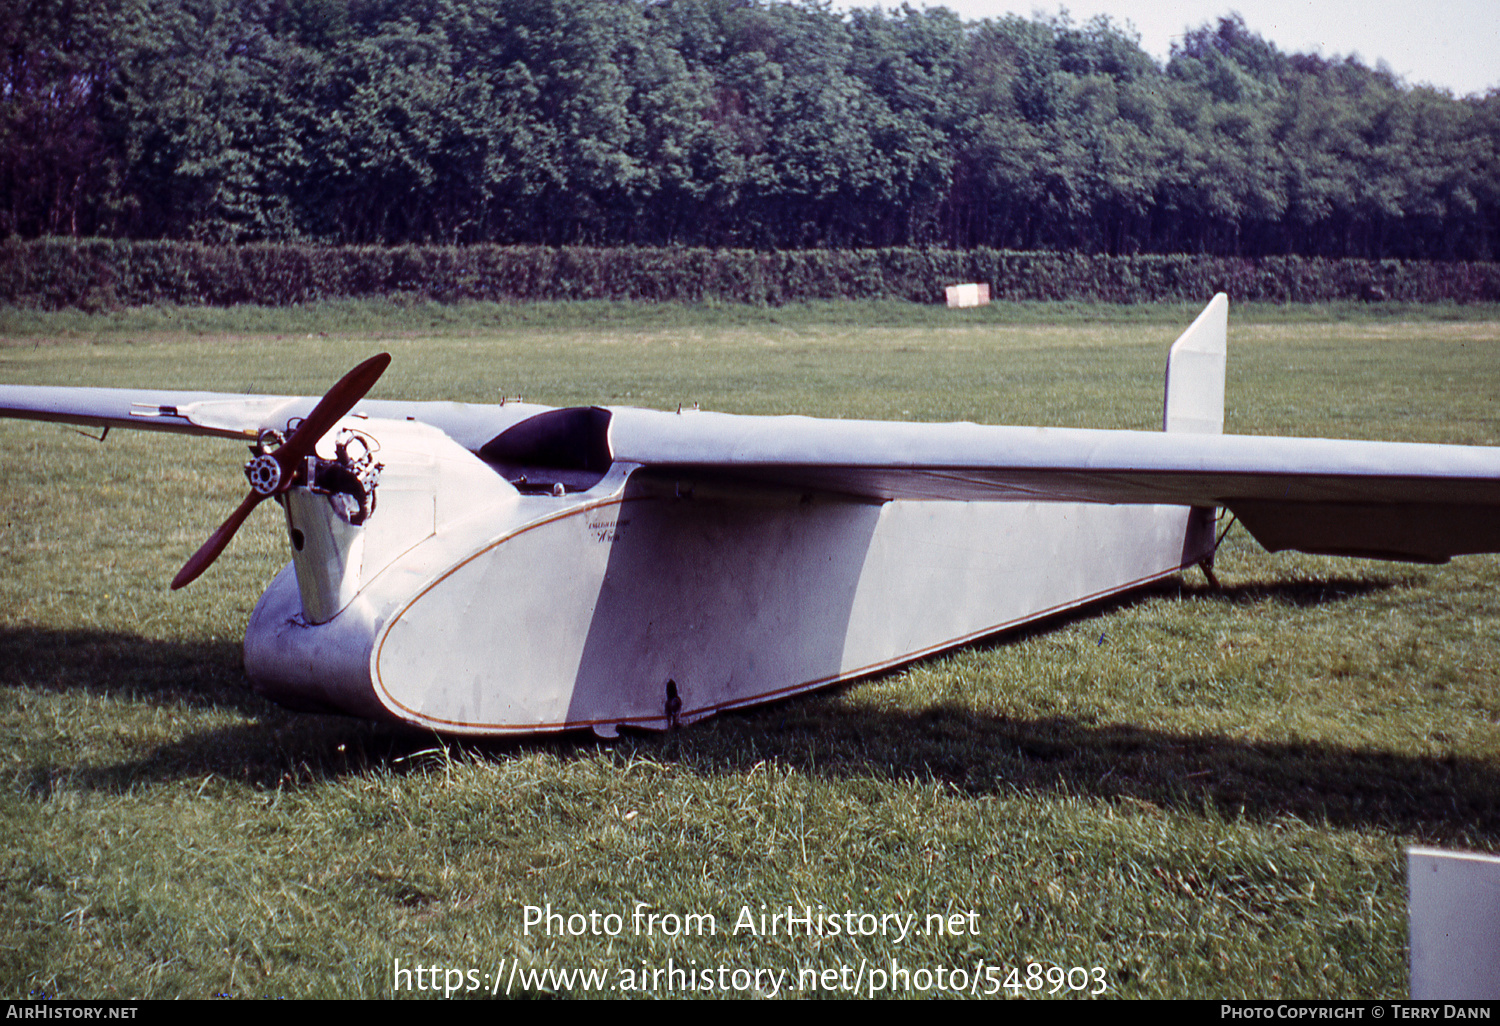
{"x":1187,"y":793}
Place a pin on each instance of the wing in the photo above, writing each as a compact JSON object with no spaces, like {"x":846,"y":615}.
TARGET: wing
{"x":1388,"y":500}
{"x":199,"y":413}
{"x":229,"y":415}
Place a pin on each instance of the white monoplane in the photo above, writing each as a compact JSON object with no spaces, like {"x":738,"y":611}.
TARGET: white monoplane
{"x":513,"y":569}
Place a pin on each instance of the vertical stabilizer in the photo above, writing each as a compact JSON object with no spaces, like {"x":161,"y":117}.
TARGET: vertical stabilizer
{"x":1195,"y":373}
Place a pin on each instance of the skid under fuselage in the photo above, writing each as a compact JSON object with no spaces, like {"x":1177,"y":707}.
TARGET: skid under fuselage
{"x":651,"y":601}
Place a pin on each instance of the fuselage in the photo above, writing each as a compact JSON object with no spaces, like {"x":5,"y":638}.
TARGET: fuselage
{"x":655,"y":599}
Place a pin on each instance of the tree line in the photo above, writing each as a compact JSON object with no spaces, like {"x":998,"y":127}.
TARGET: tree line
{"x":719,"y":123}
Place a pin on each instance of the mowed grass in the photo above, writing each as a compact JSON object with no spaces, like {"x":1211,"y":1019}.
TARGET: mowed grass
{"x":1201,"y":792}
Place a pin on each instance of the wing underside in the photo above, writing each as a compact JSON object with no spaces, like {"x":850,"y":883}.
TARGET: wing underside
{"x":1418,"y":519}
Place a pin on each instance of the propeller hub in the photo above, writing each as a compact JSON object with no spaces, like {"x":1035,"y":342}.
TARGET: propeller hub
{"x":264,"y":474}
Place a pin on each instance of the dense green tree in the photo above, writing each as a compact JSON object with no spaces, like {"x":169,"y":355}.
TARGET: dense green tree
{"x":55,"y":167}
{"x":719,"y":122}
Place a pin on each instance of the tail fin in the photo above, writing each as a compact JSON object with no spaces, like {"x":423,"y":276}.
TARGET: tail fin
{"x":1195,"y":373}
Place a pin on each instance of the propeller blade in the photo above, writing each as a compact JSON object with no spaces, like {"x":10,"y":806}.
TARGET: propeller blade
{"x":339,"y":400}
{"x":336,"y":402}
{"x":209,"y":551}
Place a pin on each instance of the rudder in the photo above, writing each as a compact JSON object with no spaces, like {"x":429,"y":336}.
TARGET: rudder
{"x":1194,"y":404}
{"x":1194,"y":399}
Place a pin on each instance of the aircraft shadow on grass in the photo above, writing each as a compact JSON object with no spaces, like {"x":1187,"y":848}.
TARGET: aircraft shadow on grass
{"x":1437,"y":798}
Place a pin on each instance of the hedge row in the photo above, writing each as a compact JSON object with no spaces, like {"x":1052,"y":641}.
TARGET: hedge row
{"x":103,"y":274}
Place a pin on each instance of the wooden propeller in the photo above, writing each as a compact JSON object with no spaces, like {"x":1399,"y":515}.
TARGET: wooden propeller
{"x":276,"y":472}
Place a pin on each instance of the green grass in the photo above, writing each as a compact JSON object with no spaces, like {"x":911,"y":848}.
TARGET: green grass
{"x":1205,"y":793}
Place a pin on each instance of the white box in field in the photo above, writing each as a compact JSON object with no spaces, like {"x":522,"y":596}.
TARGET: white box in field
{"x":970,"y":294}
{"x":1455,"y":925}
